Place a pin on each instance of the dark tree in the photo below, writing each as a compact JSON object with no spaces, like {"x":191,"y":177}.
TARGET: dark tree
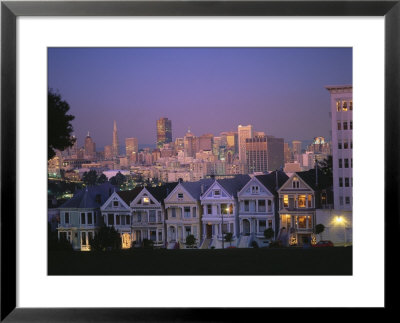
{"x":190,"y":240}
{"x":107,"y":238}
{"x":319,"y":228}
{"x":269,"y":233}
{"x":326,"y":167}
{"x":58,"y":123}
{"x":90,"y":177}
{"x":229,"y":237}
{"x":102,"y":179}
{"x":118,"y":179}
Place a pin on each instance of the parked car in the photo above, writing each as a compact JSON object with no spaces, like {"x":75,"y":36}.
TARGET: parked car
{"x":324,"y":243}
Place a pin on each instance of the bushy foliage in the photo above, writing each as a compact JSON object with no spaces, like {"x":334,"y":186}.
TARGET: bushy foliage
{"x":107,"y":238}
{"x":58,"y":124}
{"x":148,"y":244}
{"x":254,"y":244}
{"x":90,"y":177}
{"x":229,"y":237}
{"x":268,"y":233}
{"x":190,"y":240}
{"x":118,"y":179}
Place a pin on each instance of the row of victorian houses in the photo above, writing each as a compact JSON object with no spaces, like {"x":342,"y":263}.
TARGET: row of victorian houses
{"x":245,"y":205}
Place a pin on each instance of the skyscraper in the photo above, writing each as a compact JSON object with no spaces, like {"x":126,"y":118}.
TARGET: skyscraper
{"x":256,"y":154}
{"x":164,"y":132}
{"x":131,"y":146}
{"x":275,"y":153}
{"x":90,"y":147}
{"x":115,"y":143}
{"x":342,"y":145}
{"x":244,"y":132}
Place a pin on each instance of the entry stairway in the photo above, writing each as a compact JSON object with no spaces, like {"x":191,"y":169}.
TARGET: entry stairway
{"x":172,"y":245}
{"x":206,"y":244}
{"x":244,"y":242}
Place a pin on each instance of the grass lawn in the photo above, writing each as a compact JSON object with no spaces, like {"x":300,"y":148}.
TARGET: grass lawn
{"x":262,"y":261}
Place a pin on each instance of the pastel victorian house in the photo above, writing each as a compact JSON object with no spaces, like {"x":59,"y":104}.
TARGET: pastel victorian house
{"x":148,"y":213}
{"x":299,"y":197}
{"x":183,"y":212}
{"x":117,"y":213}
{"x":258,"y":206}
{"x":80,"y":216}
{"x":220,"y":211}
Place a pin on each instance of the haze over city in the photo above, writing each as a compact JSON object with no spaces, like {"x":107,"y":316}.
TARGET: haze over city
{"x":208,"y":90}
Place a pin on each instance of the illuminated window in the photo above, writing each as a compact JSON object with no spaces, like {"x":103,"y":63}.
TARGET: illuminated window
{"x":302,"y":201}
{"x":338,"y":107}
{"x":286,"y":201}
{"x":66,"y":217}
{"x":345,"y":144}
{"x":344,"y":107}
{"x":301,"y":222}
{"x":351,"y":105}
{"x":309,"y":222}
{"x":309,"y":201}
{"x":146,"y":200}
{"x":288,"y":221}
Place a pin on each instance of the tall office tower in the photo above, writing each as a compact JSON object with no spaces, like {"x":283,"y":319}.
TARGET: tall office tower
{"x":164,"y":132}
{"x":275,"y":153}
{"x":256,"y":154}
{"x":296,"y":147}
{"x":287,"y":152}
{"x":179,"y":144}
{"x":231,"y":139}
{"x":115,"y":142}
{"x":319,"y":146}
{"x":244,"y":132}
{"x":90,"y":147}
{"x":131,"y":146}
{"x":108,"y":152}
{"x":189,"y":144}
{"x":206,"y":142}
{"x":342,"y":145}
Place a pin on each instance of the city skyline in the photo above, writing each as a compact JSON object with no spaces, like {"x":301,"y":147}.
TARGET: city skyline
{"x":257,"y":86}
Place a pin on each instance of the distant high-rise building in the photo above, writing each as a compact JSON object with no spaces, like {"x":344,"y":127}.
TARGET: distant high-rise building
{"x":320,"y":146}
{"x":206,"y":142}
{"x":189,"y":144}
{"x":164,"y":132}
{"x":131,"y":146}
{"x":115,"y":143}
{"x":275,"y":153}
{"x":244,"y":132}
{"x":231,"y":139}
{"x":342,"y":145}
{"x":296,"y":147}
{"x":90,"y":147}
{"x":287,"y":152}
{"x":108,"y":152}
{"x":256,"y":154}
{"x":179,"y":144}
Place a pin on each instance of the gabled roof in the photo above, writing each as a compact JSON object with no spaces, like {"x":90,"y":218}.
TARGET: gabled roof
{"x":270,"y":180}
{"x":161,"y":192}
{"x":234,"y":185}
{"x":129,"y":196}
{"x":91,"y":197}
{"x":195,"y":188}
{"x":310,"y":177}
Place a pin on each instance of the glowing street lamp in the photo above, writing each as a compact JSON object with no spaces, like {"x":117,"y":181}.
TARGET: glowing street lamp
{"x":339,"y":219}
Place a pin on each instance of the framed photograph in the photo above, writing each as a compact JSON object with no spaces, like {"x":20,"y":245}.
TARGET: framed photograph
{"x":224,"y":128}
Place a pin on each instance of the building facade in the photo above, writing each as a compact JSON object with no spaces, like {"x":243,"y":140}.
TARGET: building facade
{"x":164,"y":132}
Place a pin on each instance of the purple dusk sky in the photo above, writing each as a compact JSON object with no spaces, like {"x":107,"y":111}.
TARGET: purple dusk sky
{"x":278,"y":90}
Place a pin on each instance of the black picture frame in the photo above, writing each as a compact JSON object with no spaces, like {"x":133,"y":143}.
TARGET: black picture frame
{"x":10,"y":10}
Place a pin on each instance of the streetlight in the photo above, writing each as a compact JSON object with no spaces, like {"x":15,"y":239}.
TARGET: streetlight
{"x":339,"y":219}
